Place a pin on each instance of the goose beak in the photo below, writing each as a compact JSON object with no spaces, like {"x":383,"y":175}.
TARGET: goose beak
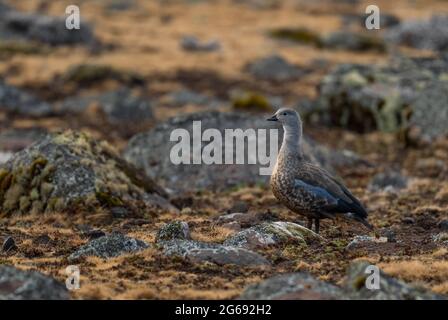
{"x":273,"y":118}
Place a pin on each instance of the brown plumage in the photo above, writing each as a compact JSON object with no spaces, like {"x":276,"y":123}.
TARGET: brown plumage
{"x":304,"y":187}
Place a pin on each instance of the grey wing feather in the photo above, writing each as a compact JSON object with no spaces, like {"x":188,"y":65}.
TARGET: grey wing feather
{"x":333,"y":195}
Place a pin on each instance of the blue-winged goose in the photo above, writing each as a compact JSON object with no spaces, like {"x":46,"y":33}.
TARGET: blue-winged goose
{"x":304,"y":187}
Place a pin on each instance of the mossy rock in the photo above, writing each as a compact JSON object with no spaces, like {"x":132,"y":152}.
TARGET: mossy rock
{"x":299,"y":35}
{"x":70,"y":171}
{"x":176,"y":230}
{"x":406,"y":93}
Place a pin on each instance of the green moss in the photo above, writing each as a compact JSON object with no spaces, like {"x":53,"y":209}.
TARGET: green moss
{"x":34,"y":194}
{"x":37,"y":207}
{"x":45,"y":190}
{"x":108,"y":200}
{"x":300,"y":35}
{"x":12,"y":197}
{"x":24,"y":203}
{"x":37,"y":165}
{"x":252,"y":102}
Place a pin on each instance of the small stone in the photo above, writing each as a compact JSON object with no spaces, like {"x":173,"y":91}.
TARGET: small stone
{"x":119,"y":212}
{"x":359,"y":240}
{"x":408,"y":220}
{"x":9,"y":244}
{"x":191,"y":43}
{"x":390,"y":235}
{"x":443,"y":225}
{"x":274,"y":68}
{"x":236,"y":216}
{"x":441,"y":237}
{"x":176,"y":230}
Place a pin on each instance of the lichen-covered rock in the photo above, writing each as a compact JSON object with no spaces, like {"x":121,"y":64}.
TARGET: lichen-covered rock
{"x":196,"y":251}
{"x":109,"y":246}
{"x":272,"y":233}
{"x":16,"y":284}
{"x":363,"y":240}
{"x":46,"y":29}
{"x":429,"y":34}
{"x":174,"y":230}
{"x":392,"y":98}
{"x":69,"y":171}
{"x":150,"y":152}
{"x":119,"y":106}
{"x":388,"y":181}
{"x":390,"y":288}
{"x":274,"y":68}
{"x":293,"y":286}
{"x":16,"y":101}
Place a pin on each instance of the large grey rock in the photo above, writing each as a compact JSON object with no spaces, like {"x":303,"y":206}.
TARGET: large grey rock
{"x":272,"y":233}
{"x":388,"y":181}
{"x":71,"y":171}
{"x":150,"y":152}
{"x":51,"y":30}
{"x":366,"y":98}
{"x":16,"y":284}
{"x":390,"y":288}
{"x":196,"y":251}
{"x":293,"y":286}
{"x":429,"y":34}
{"x":274,"y":68}
{"x":109,"y":246}
{"x":119,"y":106}
{"x":14,"y":100}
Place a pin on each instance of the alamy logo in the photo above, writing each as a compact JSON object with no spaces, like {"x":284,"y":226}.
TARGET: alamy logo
{"x":373,"y":20}
{"x":73,"y":274}
{"x":73,"y":21}
{"x":229,"y":149}
{"x":373,"y":280}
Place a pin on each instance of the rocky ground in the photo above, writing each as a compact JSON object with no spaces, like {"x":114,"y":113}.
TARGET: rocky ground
{"x":85,"y":174}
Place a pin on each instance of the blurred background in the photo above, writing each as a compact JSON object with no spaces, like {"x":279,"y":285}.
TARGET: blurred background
{"x":186,"y":56}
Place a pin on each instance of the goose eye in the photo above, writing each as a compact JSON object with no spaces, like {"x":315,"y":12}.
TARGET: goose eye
{"x":284,"y":113}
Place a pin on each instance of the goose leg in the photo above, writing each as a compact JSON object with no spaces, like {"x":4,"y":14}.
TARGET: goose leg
{"x":316,"y":225}
{"x":310,"y":223}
